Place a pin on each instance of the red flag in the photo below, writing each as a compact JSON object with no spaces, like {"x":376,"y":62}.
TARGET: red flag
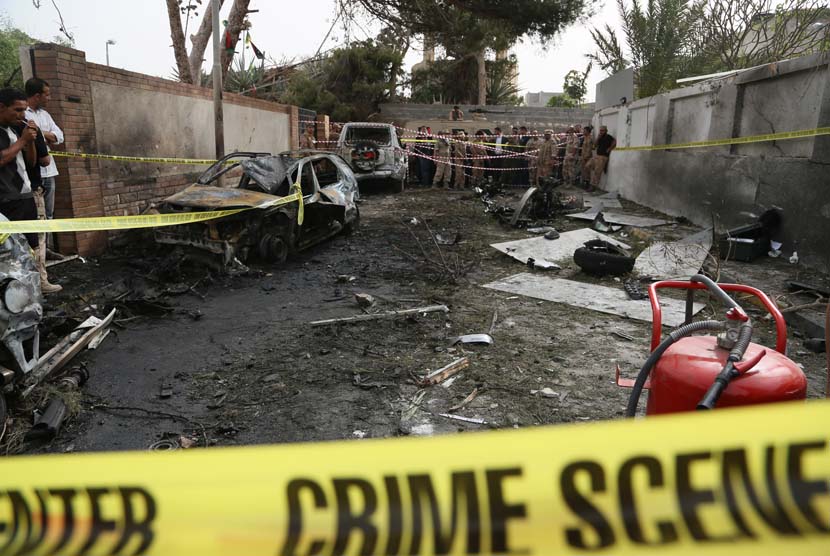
{"x":257,"y":52}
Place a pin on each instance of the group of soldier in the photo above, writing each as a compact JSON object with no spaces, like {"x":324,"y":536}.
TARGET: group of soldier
{"x":452,"y":160}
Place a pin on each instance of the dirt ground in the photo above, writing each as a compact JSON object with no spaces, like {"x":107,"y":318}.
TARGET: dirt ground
{"x":232,"y":360}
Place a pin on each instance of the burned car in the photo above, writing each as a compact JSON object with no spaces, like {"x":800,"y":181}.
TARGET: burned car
{"x":267,"y":229}
{"x":374,"y":152}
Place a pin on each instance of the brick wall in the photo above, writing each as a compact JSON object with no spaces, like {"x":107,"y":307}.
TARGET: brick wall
{"x":88,"y":188}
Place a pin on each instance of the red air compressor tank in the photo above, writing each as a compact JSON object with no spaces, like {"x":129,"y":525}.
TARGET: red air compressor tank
{"x":687,"y":369}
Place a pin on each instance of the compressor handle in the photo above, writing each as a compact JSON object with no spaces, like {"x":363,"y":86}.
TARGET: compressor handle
{"x":657,"y":311}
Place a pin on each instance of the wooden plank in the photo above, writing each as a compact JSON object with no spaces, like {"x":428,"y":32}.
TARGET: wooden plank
{"x":385,"y":315}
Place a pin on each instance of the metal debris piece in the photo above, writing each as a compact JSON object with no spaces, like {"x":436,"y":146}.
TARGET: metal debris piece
{"x":623,"y":335}
{"x":441,"y":239}
{"x":559,"y":251}
{"x":553,"y":234}
{"x":48,"y":423}
{"x":359,"y":434}
{"x":621,"y":218}
{"x":385,"y":315}
{"x":541,"y":229}
{"x":675,"y":259}
{"x":473,"y":395}
{"x":545,"y":393}
{"x":345,"y":278}
{"x":65,"y":259}
{"x":164,"y":445}
{"x":542,"y":264}
{"x":474,"y":420}
{"x":364,"y":300}
{"x":74,"y":379}
{"x":632,"y":288}
{"x":599,"y":224}
{"x":603,"y":299}
{"x":57,"y":357}
{"x":442,"y":374}
{"x":473,"y":339}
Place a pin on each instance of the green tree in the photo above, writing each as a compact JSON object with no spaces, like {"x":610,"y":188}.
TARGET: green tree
{"x":575,"y":86}
{"x":11,"y":39}
{"x":467,"y":28}
{"x":349,"y":83}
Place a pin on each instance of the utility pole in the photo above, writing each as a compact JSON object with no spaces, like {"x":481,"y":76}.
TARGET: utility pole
{"x":109,"y":42}
{"x":218,"y":118}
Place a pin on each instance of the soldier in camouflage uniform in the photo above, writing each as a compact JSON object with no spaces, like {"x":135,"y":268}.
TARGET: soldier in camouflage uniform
{"x":442,"y":155}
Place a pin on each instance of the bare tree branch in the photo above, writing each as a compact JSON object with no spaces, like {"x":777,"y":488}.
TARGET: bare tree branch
{"x":177,"y":36}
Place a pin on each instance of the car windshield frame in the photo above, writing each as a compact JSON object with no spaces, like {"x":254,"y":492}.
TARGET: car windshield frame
{"x":350,"y":139}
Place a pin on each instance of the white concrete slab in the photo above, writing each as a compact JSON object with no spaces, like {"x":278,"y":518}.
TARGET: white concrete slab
{"x":612,"y":301}
{"x":553,"y":250}
{"x":607,"y":201}
{"x":621,"y":218}
{"x":675,"y":259}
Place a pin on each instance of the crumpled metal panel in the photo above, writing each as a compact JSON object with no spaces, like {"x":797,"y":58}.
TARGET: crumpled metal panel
{"x":17,"y":263}
{"x":268,"y":171}
{"x":208,"y":197}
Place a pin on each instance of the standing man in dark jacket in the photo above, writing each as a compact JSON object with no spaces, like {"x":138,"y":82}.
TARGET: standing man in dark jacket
{"x":18,"y":160}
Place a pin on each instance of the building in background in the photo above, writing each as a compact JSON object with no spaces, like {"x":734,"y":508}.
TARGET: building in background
{"x":540,"y":99}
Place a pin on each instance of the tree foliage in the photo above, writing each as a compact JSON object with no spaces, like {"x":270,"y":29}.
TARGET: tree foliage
{"x":11,"y":39}
{"x":575,"y":85}
{"x":561,"y":101}
{"x":466,"y":28}
{"x":349,"y":83}
{"x":669,"y":39}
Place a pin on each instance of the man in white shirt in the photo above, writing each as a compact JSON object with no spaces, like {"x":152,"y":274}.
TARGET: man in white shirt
{"x":37,"y":91}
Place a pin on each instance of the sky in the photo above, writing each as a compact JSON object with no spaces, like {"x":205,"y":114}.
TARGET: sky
{"x":282,"y":28}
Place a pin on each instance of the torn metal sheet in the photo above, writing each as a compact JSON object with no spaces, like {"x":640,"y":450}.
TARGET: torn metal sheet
{"x":666,"y":260}
{"x":613,"y":301}
{"x":621,"y":218}
{"x":552,"y":250}
{"x":473,"y":339}
{"x":607,"y":201}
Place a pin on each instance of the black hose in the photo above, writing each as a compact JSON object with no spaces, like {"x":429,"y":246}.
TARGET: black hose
{"x":713,"y":287}
{"x":645,"y":371}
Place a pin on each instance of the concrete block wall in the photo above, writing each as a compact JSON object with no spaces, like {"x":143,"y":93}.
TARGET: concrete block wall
{"x":734,"y":183}
{"x":494,"y":115}
{"x":114,"y":111}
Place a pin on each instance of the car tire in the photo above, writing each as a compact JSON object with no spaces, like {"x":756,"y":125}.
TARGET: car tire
{"x":600,"y":257}
{"x":273,"y":249}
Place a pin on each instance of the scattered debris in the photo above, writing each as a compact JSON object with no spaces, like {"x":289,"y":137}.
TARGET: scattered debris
{"x":559,"y":251}
{"x":591,"y":296}
{"x":623,"y":335}
{"x":802,"y":286}
{"x":599,"y":224}
{"x":359,"y":434}
{"x":545,"y":393}
{"x":474,"y":420}
{"x":165,"y":391}
{"x":48,"y":423}
{"x":364,"y":300}
{"x":493,"y":321}
{"x":442,"y":374}
{"x":541,"y":229}
{"x":542,"y":264}
{"x":553,"y":234}
{"x":676,"y":259}
{"x":74,"y":379}
{"x":65,"y":259}
{"x":164,"y":445}
{"x":345,"y":278}
{"x":632,"y":288}
{"x":606,"y":201}
{"x":56,"y":358}
{"x":473,"y":395}
{"x":601,"y":257}
{"x":794,"y":258}
{"x":775,"y":249}
{"x":448,"y":240}
{"x":486,"y":339}
{"x":621,"y":218}
{"x":385,"y":315}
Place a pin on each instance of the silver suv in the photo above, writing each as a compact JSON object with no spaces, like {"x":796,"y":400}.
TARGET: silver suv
{"x":374,"y":152}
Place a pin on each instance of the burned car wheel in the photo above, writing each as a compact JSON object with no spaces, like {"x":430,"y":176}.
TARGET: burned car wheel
{"x":352,"y":226}
{"x":273,"y":249}
{"x":600,"y":257}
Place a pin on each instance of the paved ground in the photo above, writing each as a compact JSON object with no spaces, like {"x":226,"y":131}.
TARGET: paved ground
{"x":245,"y":367}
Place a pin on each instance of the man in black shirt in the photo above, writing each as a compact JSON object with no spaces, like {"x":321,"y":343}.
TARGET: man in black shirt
{"x":20,"y":160}
{"x":604,"y":145}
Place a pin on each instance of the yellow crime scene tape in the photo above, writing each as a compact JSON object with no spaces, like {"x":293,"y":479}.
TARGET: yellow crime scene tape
{"x":195,"y":161}
{"x":139,"y":221}
{"x":750,"y":481}
{"x":734,"y":140}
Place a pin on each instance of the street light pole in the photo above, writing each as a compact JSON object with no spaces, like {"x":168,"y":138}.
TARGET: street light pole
{"x":218,"y":118}
{"x":109,"y":42}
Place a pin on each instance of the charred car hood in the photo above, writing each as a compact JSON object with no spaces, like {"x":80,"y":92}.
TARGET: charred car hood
{"x":219,"y":198}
